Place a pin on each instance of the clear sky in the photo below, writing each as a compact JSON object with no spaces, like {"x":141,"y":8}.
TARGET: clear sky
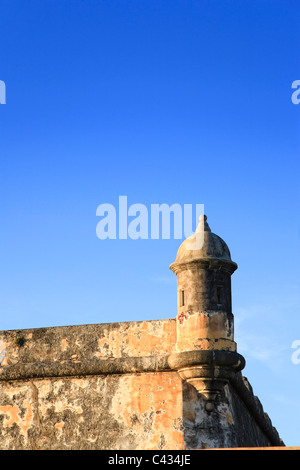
{"x":164,"y":101}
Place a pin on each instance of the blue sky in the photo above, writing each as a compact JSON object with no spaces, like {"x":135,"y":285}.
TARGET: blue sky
{"x":171,"y":101}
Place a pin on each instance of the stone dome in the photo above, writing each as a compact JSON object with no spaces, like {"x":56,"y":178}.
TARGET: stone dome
{"x":203,"y":245}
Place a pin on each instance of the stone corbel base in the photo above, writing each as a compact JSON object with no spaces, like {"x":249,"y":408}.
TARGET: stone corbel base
{"x":208,"y":371}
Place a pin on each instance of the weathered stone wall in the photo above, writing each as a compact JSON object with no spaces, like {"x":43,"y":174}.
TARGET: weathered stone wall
{"x":230,"y":424}
{"x":54,"y":394}
{"x":88,"y":342}
{"x":138,"y":411}
{"x":110,"y":386}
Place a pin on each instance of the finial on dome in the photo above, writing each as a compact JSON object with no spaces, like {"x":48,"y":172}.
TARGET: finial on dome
{"x":203,"y":225}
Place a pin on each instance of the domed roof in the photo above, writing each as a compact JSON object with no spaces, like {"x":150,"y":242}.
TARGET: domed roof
{"x":203,"y":245}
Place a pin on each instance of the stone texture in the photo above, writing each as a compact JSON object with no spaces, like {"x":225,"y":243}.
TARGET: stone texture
{"x":96,"y":412}
{"x":138,"y":402}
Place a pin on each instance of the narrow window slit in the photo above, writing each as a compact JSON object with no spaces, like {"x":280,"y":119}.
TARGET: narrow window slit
{"x":219,"y":296}
{"x":181,"y":298}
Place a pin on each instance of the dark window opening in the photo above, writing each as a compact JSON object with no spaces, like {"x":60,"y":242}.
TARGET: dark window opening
{"x":181,"y":298}
{"x":219,"y":295}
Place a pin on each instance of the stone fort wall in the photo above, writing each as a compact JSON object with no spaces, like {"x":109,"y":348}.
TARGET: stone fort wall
{"x":111,"y":387}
